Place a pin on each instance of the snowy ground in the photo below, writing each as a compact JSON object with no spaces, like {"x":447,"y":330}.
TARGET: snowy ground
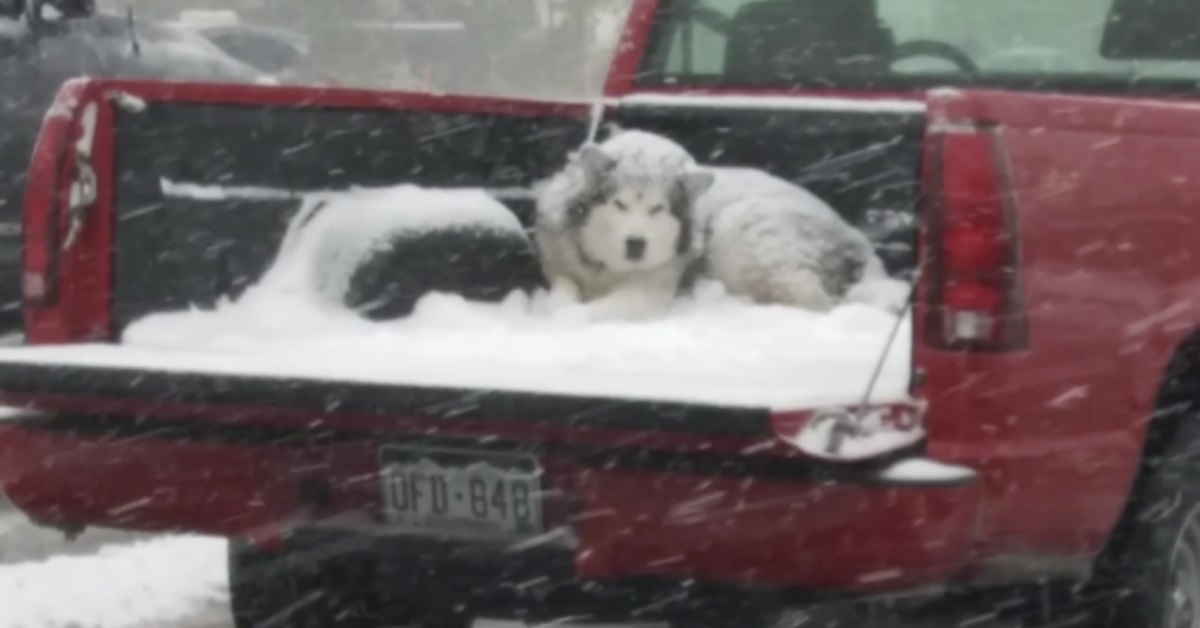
{"x":108,"y":579}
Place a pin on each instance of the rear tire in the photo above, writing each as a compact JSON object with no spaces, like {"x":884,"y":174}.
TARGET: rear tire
{"x":294,"y":588}
{"x":331,"y":584}
{"x":1149,"y":576}
{"x":1160,"y":586}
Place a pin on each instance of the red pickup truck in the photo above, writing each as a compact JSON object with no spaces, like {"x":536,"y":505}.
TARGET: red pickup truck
{"x":1034,"y":168}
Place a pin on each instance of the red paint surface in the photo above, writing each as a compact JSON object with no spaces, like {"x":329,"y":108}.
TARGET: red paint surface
{"x":1107,"y":212}
{"x":628,"y":55}
{"x":628,"y":523}
{"x":138,"y":484}
{"x":336,"y":98}
{"x":67,"y":292}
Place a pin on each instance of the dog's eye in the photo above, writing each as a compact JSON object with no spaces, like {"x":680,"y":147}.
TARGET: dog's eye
{"x":657,"y":209}
{"x":621,"y":206}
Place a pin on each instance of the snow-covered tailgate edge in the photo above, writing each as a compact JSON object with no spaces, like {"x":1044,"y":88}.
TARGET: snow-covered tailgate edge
{"x":880,"y":444}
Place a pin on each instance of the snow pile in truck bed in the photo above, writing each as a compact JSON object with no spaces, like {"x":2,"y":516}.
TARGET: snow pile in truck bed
{"x":712,"y":348}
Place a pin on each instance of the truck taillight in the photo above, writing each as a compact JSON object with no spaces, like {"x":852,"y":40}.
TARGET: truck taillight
{"x":972,"y":295}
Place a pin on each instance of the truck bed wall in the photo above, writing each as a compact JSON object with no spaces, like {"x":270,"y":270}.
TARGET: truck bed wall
{"x":172,"y":252}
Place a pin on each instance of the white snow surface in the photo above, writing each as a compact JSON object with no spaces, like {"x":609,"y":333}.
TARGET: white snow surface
{"x":750,"y":205}
{"x":924,"y":470}
{"x":128,"y":102}
{"x":710,"y":348}
{"x":201,"y":192}
{"x":152,"y":583}
{"x":334,"y":233}
{"x":641,"y":152}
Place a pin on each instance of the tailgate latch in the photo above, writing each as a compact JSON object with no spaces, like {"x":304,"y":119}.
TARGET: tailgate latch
{"x":854,"y":434}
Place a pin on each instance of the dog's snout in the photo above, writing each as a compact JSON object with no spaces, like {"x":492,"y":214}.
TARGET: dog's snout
{"x":635,"y":248}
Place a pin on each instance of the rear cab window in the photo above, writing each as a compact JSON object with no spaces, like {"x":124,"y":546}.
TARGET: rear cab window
{"x":1065,"y":45}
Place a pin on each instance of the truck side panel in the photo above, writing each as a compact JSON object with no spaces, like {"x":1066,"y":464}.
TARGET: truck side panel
{"x":1108,"y":216}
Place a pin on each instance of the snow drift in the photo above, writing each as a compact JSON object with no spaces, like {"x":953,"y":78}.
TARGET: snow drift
{"x":710,"y":348}
{"x":152,"y":583}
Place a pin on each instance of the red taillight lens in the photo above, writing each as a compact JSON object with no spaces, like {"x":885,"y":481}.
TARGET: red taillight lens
{"x":979,"y":296}
{"x":972,"y":290}
{"x":972,"y":248}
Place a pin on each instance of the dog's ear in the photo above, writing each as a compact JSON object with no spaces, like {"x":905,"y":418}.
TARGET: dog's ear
{"x":696,"y":182}
{"x":595,"y":162}
{"x":612,"y":129}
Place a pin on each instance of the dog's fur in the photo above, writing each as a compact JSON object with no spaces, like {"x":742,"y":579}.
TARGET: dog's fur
{"x":774,"y":242}
{"x":762,"y":237}
{"x":615,"y":228}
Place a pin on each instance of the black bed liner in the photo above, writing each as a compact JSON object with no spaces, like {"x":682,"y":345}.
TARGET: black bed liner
{"x":177,"y":252}
{"x":388,"y":400}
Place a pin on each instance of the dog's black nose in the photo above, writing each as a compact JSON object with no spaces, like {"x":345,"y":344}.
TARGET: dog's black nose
{"x":635,"y":248}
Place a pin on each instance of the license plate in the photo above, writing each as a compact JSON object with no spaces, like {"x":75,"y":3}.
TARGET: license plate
{"x":461,"y":493}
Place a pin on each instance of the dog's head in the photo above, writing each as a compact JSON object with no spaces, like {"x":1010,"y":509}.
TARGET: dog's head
{"x":628,"y":219}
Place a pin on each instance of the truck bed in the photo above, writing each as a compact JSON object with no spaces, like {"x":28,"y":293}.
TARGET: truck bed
{"x":720,"y":351}
{"x":156,"y":287}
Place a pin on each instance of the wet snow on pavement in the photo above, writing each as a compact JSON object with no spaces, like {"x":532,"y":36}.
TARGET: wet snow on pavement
{"x":160,"y":581}
{"x":109,"y":579}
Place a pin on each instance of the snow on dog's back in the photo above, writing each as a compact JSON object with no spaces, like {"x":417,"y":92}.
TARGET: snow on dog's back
{"x":647,"y":153}
{"x":764,"y":237}
{"x":776,"y":242}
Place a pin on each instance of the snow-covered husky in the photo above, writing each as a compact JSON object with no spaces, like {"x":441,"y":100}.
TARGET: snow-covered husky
{"x":615,"y":228}
{"x":762,"y":237}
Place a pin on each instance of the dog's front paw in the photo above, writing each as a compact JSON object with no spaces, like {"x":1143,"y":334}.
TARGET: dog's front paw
{"x":574,"y":314}
{"x":630,"y":305}
{"x":562,"y":295}
{"x":557,"y":301}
